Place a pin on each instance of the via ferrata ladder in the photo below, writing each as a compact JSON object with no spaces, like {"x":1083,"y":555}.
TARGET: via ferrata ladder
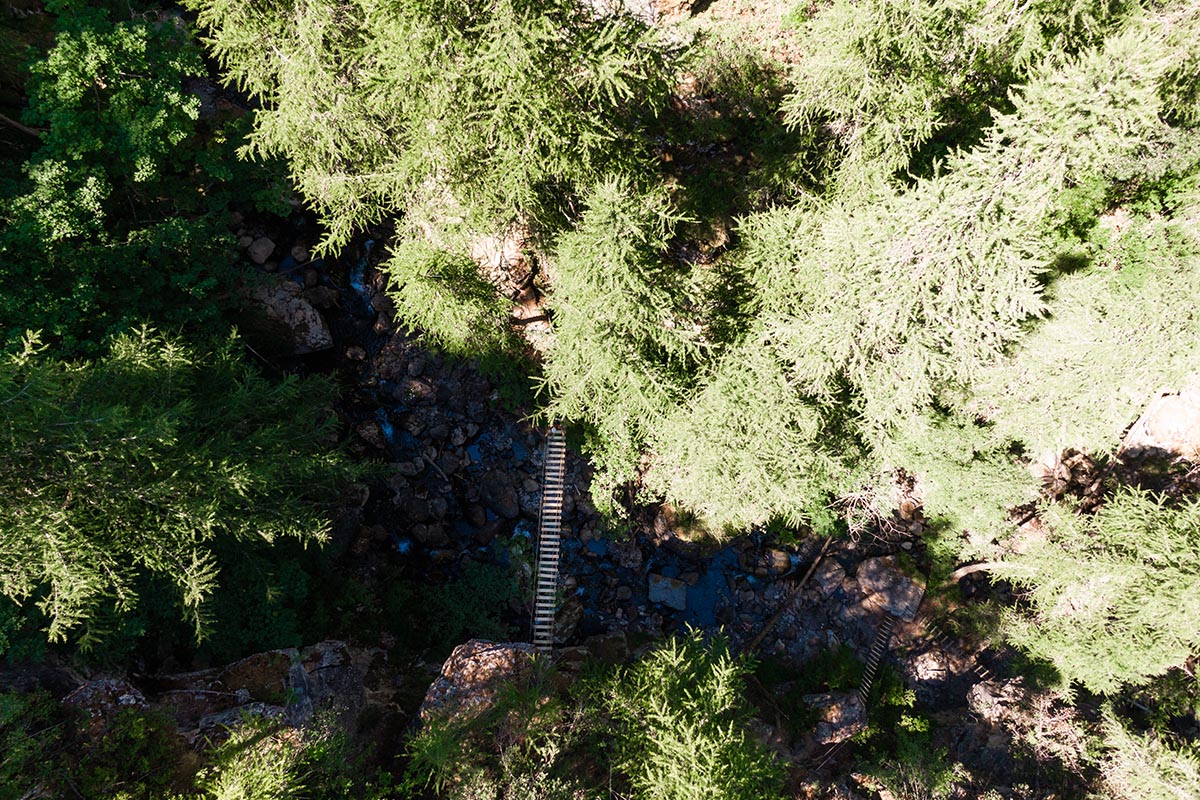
{"x":549,"y":531}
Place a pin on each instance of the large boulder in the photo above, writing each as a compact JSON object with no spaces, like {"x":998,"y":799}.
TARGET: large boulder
{"x":842,"y":716}
{"x":890,"y":588}
{"x":296,"y":321}
{"x":474,"y":675}
{"x":1170,"y":428}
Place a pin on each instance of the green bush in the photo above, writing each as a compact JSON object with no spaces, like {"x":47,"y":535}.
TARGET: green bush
{"x":680,"y":713}
{"x":122,"y":212}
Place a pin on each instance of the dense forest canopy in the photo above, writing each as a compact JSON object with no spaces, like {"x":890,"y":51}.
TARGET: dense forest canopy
{"x":950,"y":242}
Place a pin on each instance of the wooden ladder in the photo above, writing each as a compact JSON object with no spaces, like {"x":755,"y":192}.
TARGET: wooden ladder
{"x":548,"y":547}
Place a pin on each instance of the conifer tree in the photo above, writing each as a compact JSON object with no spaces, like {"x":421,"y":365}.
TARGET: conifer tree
{"x":888,"y":79}
{"x":137,"y":462}
{"x":1145,"y":767}
{"x":1115,"y":596}
{"x":624,"y":343}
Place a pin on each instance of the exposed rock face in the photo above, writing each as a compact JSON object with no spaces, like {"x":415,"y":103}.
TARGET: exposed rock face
{"x":473,"y":676}
{"x":280,"y":684}
{"x":889,"y":588}
{"x":828,"y":577}
{"x":264,"y":676}
{"x":567,"y":619}
{"x":1170,"y":428}
{"x":842,"y":716}
{"x":302,"y":323}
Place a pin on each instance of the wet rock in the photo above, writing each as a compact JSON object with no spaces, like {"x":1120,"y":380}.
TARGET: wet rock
{"x":475,"y":515}
{"x":370,"y":432}
{"x":770,"y":562}
{"x":304,"y":326}
{"x":449,"y":463}
{"x":668,"y":591}
{"x":325,"y":298}
{"x":842,"y":716}
{"x":623,"y":594}
{"x":473,"y":676}
{"x":432,"y":535}
{"x":438,"y":507}
{"x":889,"y":588}
{"x":567,"y":619}
{"x":626,"y":553}
{"x":498,"y":493}
{"x":410,"y":469}
{"x":443,"y":557}
{"x":260,"y":249}
{"x":417,"y":510}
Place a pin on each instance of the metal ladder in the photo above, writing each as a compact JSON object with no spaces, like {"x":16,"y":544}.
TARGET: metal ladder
{"x":883,"y":635}
{"x":549,"y":531}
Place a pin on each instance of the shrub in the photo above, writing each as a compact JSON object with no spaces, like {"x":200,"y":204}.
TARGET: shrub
{"x":681,"y":712}
{"x":121,"y":215}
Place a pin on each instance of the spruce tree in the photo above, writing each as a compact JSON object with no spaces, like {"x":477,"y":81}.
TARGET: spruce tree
{"x":1115,"y":597}
{"x":136,"y":463}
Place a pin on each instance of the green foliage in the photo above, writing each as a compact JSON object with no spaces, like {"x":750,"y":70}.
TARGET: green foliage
{"x":748,"y":448}
{"x":1114,"y":596}
{"x":681,"y":714}
{"x":461,"y":114}
{"x":468,"y":606}
{"x":1144,"y":767}
{"x":121,"y":215}
{"x":262,"y":760}
{"x":446,"y":298}
{"x":136,"y":464}
{"x":1115,"y":333}
{"x":898,"y":81}
{"x":46,"y":751}
{"x":902,"y":758}
{"x":30,"y":735}
{"x":623,"y":343}
{"x":527,"y":744}
{"x":138,"y":755}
